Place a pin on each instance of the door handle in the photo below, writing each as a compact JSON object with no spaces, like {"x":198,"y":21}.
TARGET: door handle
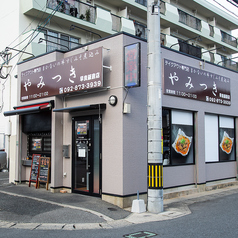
{"x":88,"y":173}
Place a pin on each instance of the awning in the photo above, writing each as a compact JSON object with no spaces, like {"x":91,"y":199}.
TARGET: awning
{"x":31,"y":108}
{"x":101,"y":106}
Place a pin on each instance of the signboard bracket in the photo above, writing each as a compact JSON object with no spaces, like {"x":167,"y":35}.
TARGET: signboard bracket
{"x":108,"y":67}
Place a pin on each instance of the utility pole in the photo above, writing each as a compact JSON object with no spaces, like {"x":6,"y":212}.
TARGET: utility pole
{"x":154,"y":109}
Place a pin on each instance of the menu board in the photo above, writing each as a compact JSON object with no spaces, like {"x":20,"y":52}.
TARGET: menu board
{"x":44,"y":171}
{"x":34,"y":169}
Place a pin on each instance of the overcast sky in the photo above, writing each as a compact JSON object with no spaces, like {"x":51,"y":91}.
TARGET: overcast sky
{"x":232,"y":9}
{"x":226,"y":5}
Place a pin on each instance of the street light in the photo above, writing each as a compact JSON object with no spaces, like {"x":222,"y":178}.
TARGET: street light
{"x":41,"y":40}
{"x":21,"y":51}
{"x":72,"y":27}
{"x":198,"y":38}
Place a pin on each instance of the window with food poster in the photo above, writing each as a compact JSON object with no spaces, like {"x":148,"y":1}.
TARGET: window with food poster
{"x":178,"y":132}
{"x":226,"y":139}
{"x":219,"y":138}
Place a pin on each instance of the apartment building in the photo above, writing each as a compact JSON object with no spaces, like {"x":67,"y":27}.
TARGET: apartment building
{"x":40,"y":32}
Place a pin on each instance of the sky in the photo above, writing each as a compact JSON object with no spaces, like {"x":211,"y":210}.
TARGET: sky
{"x":229,"y":7}
{"x":226,"y":5}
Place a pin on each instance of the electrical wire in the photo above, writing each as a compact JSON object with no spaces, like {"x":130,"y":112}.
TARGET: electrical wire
{"x":44,"y":23}
{"x":27,"y":28}
{"x":225,"y":7}
{"x":235,"y":3}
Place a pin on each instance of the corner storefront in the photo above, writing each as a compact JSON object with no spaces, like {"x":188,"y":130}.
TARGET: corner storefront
{"x":86,"y":110}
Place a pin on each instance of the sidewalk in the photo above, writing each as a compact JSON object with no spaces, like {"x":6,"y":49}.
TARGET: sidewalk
{"x":25,"y":207}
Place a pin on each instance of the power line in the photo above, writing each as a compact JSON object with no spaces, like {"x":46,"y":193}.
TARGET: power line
{"x":225,"y":7}
{"x":233,"y":2}
{"x":45,"y":22}
{"x":26,"y":28}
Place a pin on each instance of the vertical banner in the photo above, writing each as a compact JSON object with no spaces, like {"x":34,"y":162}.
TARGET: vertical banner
{"x":132,"y":65}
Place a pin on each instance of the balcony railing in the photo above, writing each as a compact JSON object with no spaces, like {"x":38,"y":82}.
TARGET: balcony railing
{"x":190,"y":49}
{"x":140,"y":30}
{"x":211,"y":30}
{"x":231,"y":40}
{"x":189,"y":20}
{"x":75,"y":8}
{"x":116,"y":23}
{"x":230,"y":64}
{"x":144,"y":3}
{"x":162,"y":7}
{"x":212,"y":57}
{"x":162,"y":38}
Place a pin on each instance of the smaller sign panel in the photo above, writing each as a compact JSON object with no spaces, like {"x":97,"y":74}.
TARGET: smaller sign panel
{"x":36,"y":144}
{"x":44,"y":171}
{"x":188,"y":82}
{"x":34,"y":169}
{"x":44,"y":168}
{"x":82,"y":129}
{"x":132,"y":65}
{"x":68,"y":75}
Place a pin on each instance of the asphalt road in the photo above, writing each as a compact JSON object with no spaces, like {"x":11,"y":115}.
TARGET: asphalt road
{"x":211,"y":219}
{"x":211,"y":215}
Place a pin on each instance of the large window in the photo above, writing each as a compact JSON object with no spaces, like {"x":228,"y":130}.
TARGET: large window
{"x":178,"y":135}
{"x":219,"y":138}
{"x":55,"y":40}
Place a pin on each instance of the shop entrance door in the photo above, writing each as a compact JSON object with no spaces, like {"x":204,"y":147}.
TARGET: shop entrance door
{"x":87,"y":155}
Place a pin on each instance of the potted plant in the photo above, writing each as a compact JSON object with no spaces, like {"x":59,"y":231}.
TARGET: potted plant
{"x":81,"y":17}
{"x":87,"y":14}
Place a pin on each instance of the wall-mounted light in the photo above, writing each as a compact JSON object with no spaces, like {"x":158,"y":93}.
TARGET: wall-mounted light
{"x":112,"y":100}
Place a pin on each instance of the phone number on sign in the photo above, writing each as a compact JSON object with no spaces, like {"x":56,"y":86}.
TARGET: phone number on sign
{"x":218,"y":100}
{"x":78,"y":87}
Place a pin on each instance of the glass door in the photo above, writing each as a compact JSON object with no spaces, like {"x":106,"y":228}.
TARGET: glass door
{"x":87,"y":155}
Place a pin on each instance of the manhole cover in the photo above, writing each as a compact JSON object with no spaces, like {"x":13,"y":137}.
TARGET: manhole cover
{"x":140,"y":234}
{"x":112,"y":209}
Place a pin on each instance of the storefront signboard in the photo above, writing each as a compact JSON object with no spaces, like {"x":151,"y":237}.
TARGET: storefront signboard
{"x":79,"y":72}
{"x":193,"y":83}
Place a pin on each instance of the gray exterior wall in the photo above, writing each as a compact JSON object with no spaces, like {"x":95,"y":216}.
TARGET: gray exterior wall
{"x":201,"y":172}
{"x":124,"y":136}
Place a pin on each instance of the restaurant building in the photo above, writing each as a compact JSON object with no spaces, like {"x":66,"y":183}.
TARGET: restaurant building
{"x":86,"y":109}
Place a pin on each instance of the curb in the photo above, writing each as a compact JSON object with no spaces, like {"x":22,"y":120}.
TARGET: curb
{"x":172,"y":212}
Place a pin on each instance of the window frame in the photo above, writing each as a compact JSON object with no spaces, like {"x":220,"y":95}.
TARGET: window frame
{"x":191,"y":153}
{"x":59,"y":41}
{"x":219,"y":130}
